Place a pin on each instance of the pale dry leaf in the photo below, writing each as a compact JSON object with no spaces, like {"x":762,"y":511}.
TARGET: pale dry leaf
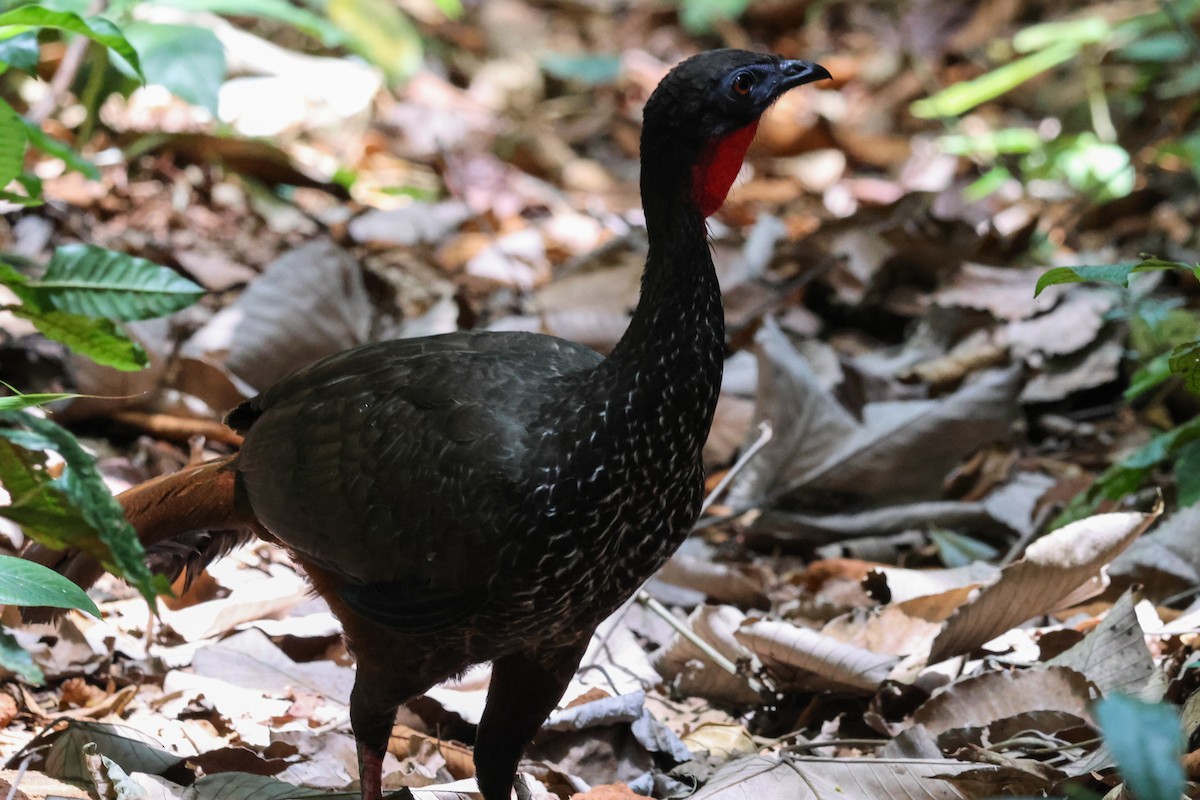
{"x":409,"y":225}
{"x":264,"y":598}
{"x":251,"y":661}
{"x":887,"y":631}
{"x":692,"y":671}
{"x":248,"y":711}
{"x":736,"y":584}
{"x":308,"y":303}
{"x":1094,"y":366}
{"x":807,"y":420}
{"x":1067,"y":328}
{"x":758,"y":777}
{"x":1004,"y":292}
{"x":724,"y":740}
{"x":615,"y":660}
{"x":980,"y":700}
{"x":905,"y":449}
{"x":1166,"y":560}
{"x":782,"y":644}
{"x":1053,"y":568}
{"x":908,"y":584}
{"x":1114,"y":655}
{"x":817,"y":529}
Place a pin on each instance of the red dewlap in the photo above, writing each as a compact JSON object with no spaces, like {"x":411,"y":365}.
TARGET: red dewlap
{"x":718,"y":167}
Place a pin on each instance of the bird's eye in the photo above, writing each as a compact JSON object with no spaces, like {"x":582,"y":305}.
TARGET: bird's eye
{"x":743,"y":82}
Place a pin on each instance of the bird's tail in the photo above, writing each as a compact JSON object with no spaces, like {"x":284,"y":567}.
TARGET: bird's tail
{"x":184,"y":520}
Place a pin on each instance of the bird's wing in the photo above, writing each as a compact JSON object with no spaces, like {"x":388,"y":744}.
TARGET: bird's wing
{"x":400,"y":466}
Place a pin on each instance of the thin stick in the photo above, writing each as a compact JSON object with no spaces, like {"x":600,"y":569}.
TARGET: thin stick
{"x":658,"y":608}
{"x":765,"y":432}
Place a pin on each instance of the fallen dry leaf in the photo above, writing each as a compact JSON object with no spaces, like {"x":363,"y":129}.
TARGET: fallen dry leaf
{"x":1053,"y":568}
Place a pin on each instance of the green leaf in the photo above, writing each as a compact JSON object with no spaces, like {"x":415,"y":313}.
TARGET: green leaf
{"x":84,"y":279}
{"x":246,"y":786}
{"x":957,"y":550}
{"x":1102,"y":273}
{"x":1162,"y":47}
{"x":1185,"y":362}
{"x":699,"y":16}
{"x":19,"y":401}
{"x":131,"y":749}
{"x":12,"y":144}
{"x":590,"y":69}
{"x":1096,"y":168}
{"x":118,"y":549}
{"x":37,"y":504}
{"x":98,"y":29}
{"x":381,"y":33}
{"x":21,"y":51}
{"x":98,"y":339}
{"x":15,"y":658}
{"x":962,"y":97}
{"x":24,"y":583}
{"x":187,"y":60}
{"x":1078,"y":32}
{"x":1149,"y":375}
{"x":17,"y":282}
{"x":1127,"y":475}
{"x":1187,"y":473}
{"x":62,"y":151}
{"x":304,"y":21}
{"x":1147,"y":743}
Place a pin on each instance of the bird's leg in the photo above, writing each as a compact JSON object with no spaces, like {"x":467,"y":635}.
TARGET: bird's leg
{"x":525,"y":688}
{"x":376,"y":695}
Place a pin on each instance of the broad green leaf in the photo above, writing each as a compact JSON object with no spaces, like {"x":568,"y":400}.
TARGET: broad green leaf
{"x":381,"y":33}
{"x":98,"y":339}
{"x":187,"y":60}
{"x":12,"y":144}
{"x":1096,"y":168}
{"x":592,"y":69}
{"x":1009,"y":141}
{"x":962,"y":97}
{"x":18,"y":401}
{"x":37,"y":504}
{"x":1078,"y":32}
{"x":24,"y":583}
{"x":957,"y":550}
{"x":62,"y":151}
{"x":84,"y":279}
{"x":1102,"y":273}
{"x":453,"y":9}
{"x":133,"y":750}
{"x":1187,"y":474}
{"x":246,"y":786}
{"x":699,"y":16}
{"x":22,"y":199}
{"x":1149,"y":375}
{"x":1185,"y":362}
{"x":98,"y":29}
{"x":1147,"y":743}
{"x":20,"y":51}
{"x":1127,"y":475}
{"x":82,"y":483}
{"x":17,"y":283}
{"x":1162,"y":47}
{"x":304,"y":21}
{"x":15,"y":658}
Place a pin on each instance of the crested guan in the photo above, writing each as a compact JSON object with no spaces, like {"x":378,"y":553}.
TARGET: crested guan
{"x":481,"y":496}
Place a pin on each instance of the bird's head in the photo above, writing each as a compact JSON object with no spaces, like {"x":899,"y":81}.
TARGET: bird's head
{"x":703,"y":115}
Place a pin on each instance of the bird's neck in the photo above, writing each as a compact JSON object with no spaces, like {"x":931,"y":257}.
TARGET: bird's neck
{"x":668,"y":365}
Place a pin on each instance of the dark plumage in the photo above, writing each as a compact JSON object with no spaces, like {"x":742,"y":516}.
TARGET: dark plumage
{"x":493,"y":496}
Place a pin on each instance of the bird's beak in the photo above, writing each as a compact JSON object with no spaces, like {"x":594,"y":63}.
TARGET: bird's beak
{"x":798,"y":73}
